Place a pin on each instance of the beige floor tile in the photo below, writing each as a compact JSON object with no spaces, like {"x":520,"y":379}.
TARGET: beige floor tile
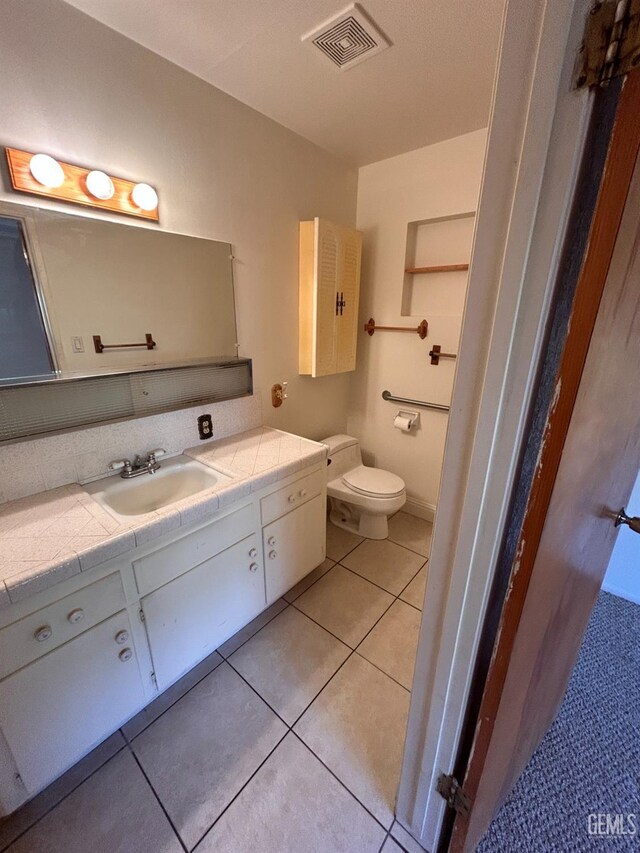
{"x":412,"y":532}
{"x":233,"y":643}
{"x":414,"y":593}
{"x":340,"y":541}
{"x":294,"y":805}
{"x":114,"y":811}
{"x":392,"y":644}
{"x":309,"y":580}
{"x":384,"y":563}
{"x":346,"y":605}
{"x":201,"y":752}
{"x":170,"y":696}
{"x":17,"y":823}
{"x":408,"y":841}
{"x":356,"y":727}
{"x":390,"y":846}
{"x":289,"y":661}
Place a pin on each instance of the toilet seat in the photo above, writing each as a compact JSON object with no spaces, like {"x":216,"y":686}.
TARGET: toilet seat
{"x":373,"y":482}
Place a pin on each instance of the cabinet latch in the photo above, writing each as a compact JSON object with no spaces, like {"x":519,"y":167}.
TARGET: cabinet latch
{"x":451,"y":790}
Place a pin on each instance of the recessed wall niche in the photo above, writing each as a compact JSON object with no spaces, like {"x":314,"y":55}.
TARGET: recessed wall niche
{"x":445,"y":241}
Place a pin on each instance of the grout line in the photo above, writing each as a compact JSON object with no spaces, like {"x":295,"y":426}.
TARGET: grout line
{"x":384,"y":840}
{"x":68,"y":794}
{"x":338,"y":779}
{"x":160,"y":803}
{"x":394,"y":594}
{"x":335,"y":563}
{"x":235,"y":797}
{"x":375,"y":666}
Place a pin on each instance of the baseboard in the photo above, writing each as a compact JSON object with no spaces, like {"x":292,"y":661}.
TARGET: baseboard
{"x":621,"y":592}
{"x":421,"y":509}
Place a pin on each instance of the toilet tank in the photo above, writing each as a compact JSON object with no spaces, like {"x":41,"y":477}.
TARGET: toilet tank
{"x":344,"y":454}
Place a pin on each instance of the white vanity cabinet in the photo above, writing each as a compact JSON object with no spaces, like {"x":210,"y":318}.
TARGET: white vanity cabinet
{"x":192,"y":615}
{"x":293,"y":545}
{"x":79,"y":659}
{"x":58,"y":707}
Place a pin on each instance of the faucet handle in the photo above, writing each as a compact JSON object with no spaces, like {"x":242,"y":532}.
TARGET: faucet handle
{"x":118,"y":464}
{"x":159,"y":451}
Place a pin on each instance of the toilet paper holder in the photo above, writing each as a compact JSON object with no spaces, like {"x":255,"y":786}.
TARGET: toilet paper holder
{"x":412,"y":417}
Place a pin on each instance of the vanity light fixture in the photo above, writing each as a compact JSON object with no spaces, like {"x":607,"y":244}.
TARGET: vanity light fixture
{"x":100,"y":185}
{"x":46,"y":171}
{"x":42,"y":175}
{"x":145,"y":197}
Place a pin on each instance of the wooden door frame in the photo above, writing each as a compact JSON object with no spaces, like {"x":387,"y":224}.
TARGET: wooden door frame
{"x":620,"y":163}
{"x":536,"y":137}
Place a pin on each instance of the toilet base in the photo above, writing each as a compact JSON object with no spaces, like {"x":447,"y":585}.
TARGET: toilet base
{"x":362,"y":523}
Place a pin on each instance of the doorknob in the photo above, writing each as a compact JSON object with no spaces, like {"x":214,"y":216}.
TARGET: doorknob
{"x":631,"y":521}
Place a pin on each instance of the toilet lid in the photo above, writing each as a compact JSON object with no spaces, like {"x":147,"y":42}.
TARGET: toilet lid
{"x":373,"y":481}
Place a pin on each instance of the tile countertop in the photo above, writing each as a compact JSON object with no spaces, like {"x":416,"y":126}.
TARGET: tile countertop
{"x":49,"y":537}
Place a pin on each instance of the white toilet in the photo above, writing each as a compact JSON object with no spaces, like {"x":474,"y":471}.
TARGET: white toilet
{"x":361,"y":499}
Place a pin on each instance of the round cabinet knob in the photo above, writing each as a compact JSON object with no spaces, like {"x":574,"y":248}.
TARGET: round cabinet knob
{"x":271,"y":540}
{"x":292,"y":499}
{"x":122,"y":637}
{"x":43,"y":633}
{"x":125,"y":654}
{"x":76,"y":616}
{"x":253,"y":567}
{"x":273,"y":555}
{"x":253,"y":552}
{"x":303,"y":493}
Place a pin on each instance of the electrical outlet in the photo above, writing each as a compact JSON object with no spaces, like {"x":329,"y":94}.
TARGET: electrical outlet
{"x":205,"y":427}
{"x":77,"y":344}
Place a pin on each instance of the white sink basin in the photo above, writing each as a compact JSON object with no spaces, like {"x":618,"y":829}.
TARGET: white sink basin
{"x":177,"y":478}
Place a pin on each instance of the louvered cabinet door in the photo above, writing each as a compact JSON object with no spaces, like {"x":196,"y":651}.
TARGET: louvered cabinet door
{"x":349,"y":290}
{"x":324,"y":344}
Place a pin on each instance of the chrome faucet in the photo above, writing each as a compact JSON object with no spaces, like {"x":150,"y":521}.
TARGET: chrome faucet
{"x":140,"y":465}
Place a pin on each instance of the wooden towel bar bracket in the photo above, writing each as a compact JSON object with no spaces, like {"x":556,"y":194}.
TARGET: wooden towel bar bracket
{"x":421,"y":329}
{"x":149,"y":343}
{"x":436,"y":354}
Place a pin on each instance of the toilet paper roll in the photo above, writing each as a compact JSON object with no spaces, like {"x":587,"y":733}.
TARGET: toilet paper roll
{"x":402,"y":422}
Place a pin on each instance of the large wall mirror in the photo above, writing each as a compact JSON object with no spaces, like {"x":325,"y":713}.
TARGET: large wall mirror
{"x":66,"y":279}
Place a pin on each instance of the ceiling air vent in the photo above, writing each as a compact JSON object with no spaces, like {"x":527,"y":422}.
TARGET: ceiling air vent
{"x":348,"y":38}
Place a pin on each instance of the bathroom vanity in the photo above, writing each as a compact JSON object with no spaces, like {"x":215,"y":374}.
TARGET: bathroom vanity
{"x":91,"y":636}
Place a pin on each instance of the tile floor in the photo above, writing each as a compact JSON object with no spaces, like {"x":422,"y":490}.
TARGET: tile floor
{"x":287,"y":739}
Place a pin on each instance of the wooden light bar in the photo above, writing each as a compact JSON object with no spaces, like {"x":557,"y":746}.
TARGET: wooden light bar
{"x":74,"y":187}
{"x":439,"y":268}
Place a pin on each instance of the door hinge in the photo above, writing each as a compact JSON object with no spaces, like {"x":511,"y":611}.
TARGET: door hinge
{"x":611,"y":45}
{"x":154,"y":679}
{"x":141,"y":614}
{"x":449,"y":788}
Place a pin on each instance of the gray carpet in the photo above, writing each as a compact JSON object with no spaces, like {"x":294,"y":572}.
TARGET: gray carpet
{"x":589,"y":761}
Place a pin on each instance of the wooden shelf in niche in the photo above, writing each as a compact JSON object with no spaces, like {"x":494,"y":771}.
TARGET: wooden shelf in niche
{"x":440,"y":268}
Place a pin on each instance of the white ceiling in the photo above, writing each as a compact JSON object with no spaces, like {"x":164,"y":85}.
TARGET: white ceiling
{"x":433,"y":83}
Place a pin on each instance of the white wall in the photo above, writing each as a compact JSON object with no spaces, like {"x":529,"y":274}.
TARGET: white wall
{"x":74,"y":88}
{"x":434,"y":182}
{"x":623,"y":572}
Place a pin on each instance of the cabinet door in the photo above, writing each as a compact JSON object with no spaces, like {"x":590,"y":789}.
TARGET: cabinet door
{"x":294,"y":545}
{"x":349,"y":288}
{"x":189,"y":617}
{"x":324,"y":345}
{"x":55,"y":710}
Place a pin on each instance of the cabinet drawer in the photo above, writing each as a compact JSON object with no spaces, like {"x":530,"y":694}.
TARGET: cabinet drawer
{"x":59,"y":707}
{"x":59,"y":622}
{"x":188,"y":618}
{"x":292,"y":496}
{"x":175,"y":559}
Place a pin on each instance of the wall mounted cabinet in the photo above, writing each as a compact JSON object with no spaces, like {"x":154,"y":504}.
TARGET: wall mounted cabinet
{"x":330,"y":257}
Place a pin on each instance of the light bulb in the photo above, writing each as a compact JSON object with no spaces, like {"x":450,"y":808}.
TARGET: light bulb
{"x":46,"y":171}
{"x":100,"y":185}
{"x":145,"y":197}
